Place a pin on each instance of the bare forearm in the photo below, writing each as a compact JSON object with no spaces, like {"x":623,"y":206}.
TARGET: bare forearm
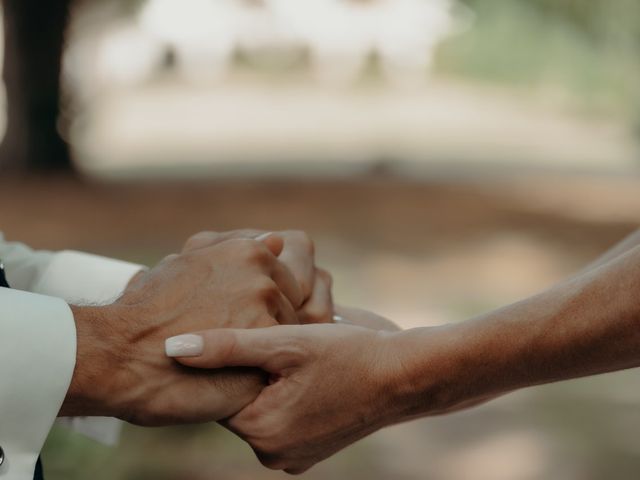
{"x":587,"y":325}
{"x":96,"y":367}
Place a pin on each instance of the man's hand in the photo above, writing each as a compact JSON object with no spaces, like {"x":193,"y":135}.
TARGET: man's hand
{"x":298,"y":255}
{"x":309,"y":411}
{"x":121,"y":368}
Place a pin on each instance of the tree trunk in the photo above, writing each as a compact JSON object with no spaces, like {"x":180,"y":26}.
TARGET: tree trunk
{"x":34,"y":42}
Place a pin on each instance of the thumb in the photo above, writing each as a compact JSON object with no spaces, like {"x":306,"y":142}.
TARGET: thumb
{"x":219,"y":348}
{"x":274,"y":242}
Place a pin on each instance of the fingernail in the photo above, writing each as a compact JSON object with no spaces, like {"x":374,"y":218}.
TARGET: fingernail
{"x":338,"y":319}
{"x":260,"y":238}
{"x":189,"y":345}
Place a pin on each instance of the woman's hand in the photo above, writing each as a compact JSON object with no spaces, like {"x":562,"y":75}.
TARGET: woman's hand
{"x":330,"y":385}
{"x":333,"y":384}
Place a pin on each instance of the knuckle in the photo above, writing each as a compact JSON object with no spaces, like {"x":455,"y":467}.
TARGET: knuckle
{"x":229,"y":342}
{"x":267,"y":291}
{"x":195,"y":257}
{"x":246,"y":233}
{"x":302,"y":238}
{"x":252,"y":251}
{"x":318,"y":315}
{"x":288,"y":351}
{"x":262,"y":321}
{"x":170,"y":258}
{"x":200,"y":236}
{"x":199,"y":239}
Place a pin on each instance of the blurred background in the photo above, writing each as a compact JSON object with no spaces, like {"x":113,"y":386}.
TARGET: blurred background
{"x":447,"y":156}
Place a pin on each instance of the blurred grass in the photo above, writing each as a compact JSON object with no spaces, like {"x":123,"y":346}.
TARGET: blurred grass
{"x":192,"y":452}
{"x":584,"y":51}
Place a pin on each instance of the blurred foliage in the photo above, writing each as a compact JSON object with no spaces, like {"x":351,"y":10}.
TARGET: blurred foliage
{"x":587,"y":50}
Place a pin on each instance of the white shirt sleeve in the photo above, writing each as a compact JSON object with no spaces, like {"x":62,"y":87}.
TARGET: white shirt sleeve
{"x":37,"y":358}
{"x":78,"y":278}
{"x":24,"y":265}
{"x":74,"y":276}
{"x":81,"y":278}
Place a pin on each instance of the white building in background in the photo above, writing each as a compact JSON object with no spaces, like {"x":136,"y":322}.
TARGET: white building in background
{"x":338,"y":35}
{"x":342,"y":34}
{"x":204,"y":34}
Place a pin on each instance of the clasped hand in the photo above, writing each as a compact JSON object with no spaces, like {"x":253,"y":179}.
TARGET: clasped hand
{"x":241,"y":279}
{"x":248,"y":363}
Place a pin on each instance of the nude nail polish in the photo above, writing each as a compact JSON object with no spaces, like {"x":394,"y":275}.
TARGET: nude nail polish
{"x":188,"y":345}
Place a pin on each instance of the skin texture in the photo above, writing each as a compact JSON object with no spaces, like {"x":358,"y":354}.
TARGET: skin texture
{"x":307,"y":412}
{"x":586,"y":325}
{"x":218,"y":280}
{"x":363,"y":318}
{"x":298,"y":254}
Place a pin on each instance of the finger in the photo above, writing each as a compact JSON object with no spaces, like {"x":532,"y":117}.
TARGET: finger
{"x":286,"y":314}
{"x":209,"y":238}
{"x":274,"y":242}
{"x":202,"y":240}
{"x":298,"y":256}
{"x":319,"y":308}
{"x":219,"y":348}
{"x":169,"y":258}
{"x":287,"y":283}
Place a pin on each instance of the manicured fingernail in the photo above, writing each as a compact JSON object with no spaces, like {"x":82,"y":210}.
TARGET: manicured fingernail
{"x":189,"y":345}
{"x":260,"y":238}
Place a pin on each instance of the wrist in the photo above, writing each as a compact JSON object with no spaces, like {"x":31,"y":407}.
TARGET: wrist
{"x":136,"y":277}
{"x":94,"y":386}
{"x":436,"y":370}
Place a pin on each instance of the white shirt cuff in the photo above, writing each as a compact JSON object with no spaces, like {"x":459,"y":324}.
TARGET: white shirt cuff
{"x":82,"y":278}
{"x":37,"y":358}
